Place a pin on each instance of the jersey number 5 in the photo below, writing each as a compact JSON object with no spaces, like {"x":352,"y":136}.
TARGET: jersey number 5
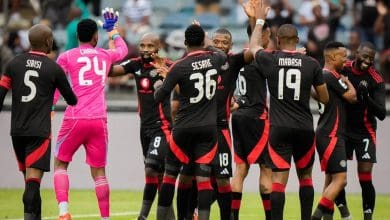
{"x":295,"y":85}
{"x":88,"y":66}
{"x":30,"y":84}
{"x":204,"y":89}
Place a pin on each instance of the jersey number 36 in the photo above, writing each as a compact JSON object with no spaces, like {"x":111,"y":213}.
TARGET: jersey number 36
{"x":204,"y":84}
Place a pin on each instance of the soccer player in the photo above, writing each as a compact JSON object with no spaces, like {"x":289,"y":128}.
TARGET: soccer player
{"x":361,"y":123}
{"x":194,"y":133}
{"x":250,"y":131}
{"x":290,"y":76}
{"x":86,"y":123}
{"x":330,"y":133}
{"x":33,"y":78}
{"x":155,"y":116}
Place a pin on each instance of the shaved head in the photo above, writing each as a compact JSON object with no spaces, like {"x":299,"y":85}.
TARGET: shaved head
{"x":41,"y":38}
{"x":287,"y":31}
{"x":152,"y":37}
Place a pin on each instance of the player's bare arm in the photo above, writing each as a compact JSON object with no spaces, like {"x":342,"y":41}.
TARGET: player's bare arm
{"x":261,"y":11}
{"x":350,"y":95}
{"x":322,"y":93}
{"x":4,"y":87}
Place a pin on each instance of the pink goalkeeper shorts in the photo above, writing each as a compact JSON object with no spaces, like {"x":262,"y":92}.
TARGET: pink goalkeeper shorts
{"x":92,"y":133}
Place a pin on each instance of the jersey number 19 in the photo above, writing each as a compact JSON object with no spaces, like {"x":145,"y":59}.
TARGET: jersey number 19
{"x":287,"y":77}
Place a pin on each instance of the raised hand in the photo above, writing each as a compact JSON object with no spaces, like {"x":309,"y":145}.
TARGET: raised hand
{"x":249,"y":7}
{"x":110,"y":19}
{"x":160,"y":65}
{"x":261,"y":9}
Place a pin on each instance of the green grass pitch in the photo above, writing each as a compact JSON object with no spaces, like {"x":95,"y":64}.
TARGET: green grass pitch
{"x":125,"y":205}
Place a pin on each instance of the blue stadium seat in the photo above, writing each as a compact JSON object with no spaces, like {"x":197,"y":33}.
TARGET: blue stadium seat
{"x":175,"y":21}
{"x":208,"y":20}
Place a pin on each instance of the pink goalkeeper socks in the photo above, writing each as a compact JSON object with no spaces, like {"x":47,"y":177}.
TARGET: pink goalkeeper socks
{"x":61,"y":185}
{"x":103,"y":195}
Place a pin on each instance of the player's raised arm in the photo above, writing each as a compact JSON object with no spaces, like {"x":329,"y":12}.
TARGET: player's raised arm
{"x":261,"y":10}
{"x":110,"y":24}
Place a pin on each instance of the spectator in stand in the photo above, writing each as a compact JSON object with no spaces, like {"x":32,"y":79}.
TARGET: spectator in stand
{"x":306,"y":16}
{"x":95,"y":6}
{"x":354,"y":43}
{"x":207,"y":6}
{"x":281,"y":13}
{"x":56,"y":11}
{"x":13,"y":42}
{"x":382,"y":26}
{"x":137,"y":14}
{"x":337,"y":9}
{"x":78,"y":12}
{"x":319,"y":35}
{"x":364,"y":15}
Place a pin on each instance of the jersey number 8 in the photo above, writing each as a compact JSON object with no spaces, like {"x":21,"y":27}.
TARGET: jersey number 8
{"x":204,"y":88}
{"x":295,"y":85}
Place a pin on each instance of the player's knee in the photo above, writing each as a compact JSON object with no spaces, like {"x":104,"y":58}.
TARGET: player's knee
{"x":185,"y":179}
{"x":149,"y":171}
{"x":241,"y":171}
{"x":265,"y":187}
{"x":203,"y":170}
{"x":31,"y":197}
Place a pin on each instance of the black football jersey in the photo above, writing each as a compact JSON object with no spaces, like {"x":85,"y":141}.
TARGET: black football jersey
{"x":33,"y":78}
{"x":361,"y":121}
{"x":152,"y":113}
{"x":226,"y":84}
{"x":290,"y":76}
{"x":332,"y":115}
{"x":252,"y":91}
{"x":197,"y":75}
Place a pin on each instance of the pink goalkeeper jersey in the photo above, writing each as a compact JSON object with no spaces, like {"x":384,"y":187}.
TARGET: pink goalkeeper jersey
{"x":87,"y":68}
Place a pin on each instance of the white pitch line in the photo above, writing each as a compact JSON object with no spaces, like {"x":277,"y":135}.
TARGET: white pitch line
{"x":84,"y":216}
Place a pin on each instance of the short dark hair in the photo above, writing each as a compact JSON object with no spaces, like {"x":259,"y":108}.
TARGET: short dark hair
{"x":223,"y":31}
{"x":333,"y":45}
{"x":249,"y":29}
{"x":368,"y":45}
{"x":86,"y":28}
{"x":194,"y":35}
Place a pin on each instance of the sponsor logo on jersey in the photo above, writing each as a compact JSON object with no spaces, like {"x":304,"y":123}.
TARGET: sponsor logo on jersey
{"x":225,"y":171}
{"x":154,"y":152}
{"x":366,"y":156}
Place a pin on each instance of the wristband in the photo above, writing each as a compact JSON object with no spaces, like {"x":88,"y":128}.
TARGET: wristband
{"x":114,"y":36}
{"x":260,"y":22}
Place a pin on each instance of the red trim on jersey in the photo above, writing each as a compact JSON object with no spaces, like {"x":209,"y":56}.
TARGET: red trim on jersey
{"x":259,"y":147}
{"x":375,"y":75}
{"x":277,"y":160}
{"x":237,"y":159}
{"x":264,"y":116}
{"x":290,"y":51}
{"x":228,"y":139}
{"x":302,"y":163}
{"x":267,"y":205}
{"x":165,"y":122}
{"x":236,"y":204}
{"x":189,"y":54}
{"x":176,"y":150}
{"x":333,"y":72}
{"x":151,"y":180}
{"x":369,"y":127}
{"x":278,"y":187}
{"x":327,"y":203}
{"x":139,"y":107}
{"x":37,"y":180}
{"x":5,"y":82}
{"x":354,"y":70}
{"x":332,"y":144}
{"x":207,"y":158}
{"x":224,"y":189}
{"x":37,"y":153}
{"x":204,"y":185}
{"x":227,"y":109}
{"x":38,"y":53}
{"x":306,"y":182}
{"x":365,"y":177}
{"x":169,"y":180}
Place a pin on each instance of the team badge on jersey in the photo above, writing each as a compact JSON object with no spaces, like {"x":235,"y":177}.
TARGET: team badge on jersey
{"x":145,"y":83}
{"x":225,"y":66}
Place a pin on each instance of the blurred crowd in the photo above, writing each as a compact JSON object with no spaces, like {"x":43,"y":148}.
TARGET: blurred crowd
{"x":318,"y":21}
